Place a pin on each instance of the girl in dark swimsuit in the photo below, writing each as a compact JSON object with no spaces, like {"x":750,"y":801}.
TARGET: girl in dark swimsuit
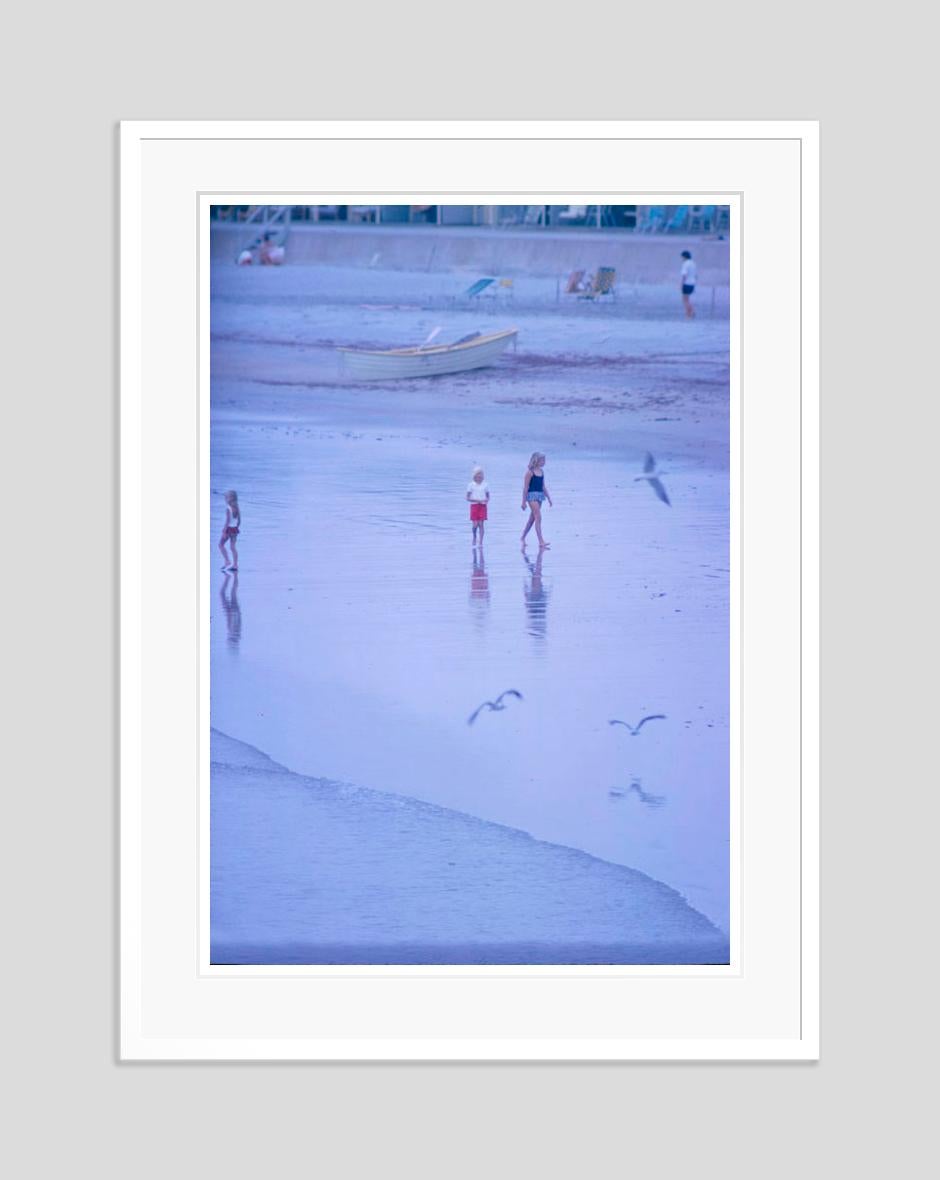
{"x":534,"y":492}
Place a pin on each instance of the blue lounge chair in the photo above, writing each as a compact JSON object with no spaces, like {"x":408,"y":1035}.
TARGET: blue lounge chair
{"x":476,"y":288}
{"x":654,"y":220}
{"x":678,"y":219}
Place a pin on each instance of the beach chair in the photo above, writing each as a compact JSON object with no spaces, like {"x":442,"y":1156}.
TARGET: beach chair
{"x":476,"y":289}
{"x":602,"y":283}
{"x":701,"y":218}
{"x":575,"y":283}
{"x":652,"y":219}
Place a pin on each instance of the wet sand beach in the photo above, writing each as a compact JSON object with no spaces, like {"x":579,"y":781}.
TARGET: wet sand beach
{"x":362,"y":630}
{"x":430,"y":885}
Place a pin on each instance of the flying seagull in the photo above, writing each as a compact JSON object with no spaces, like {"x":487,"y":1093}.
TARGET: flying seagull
{"x":635,"y":729}
{"x":651,"y":475}
{"x":495,"y":706}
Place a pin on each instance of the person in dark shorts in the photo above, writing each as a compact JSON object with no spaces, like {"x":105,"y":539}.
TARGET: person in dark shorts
{"x":688,"y":275}
{"x":534,"y":493}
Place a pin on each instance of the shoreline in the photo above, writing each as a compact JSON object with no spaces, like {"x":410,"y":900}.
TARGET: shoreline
{"x":447,"y":905}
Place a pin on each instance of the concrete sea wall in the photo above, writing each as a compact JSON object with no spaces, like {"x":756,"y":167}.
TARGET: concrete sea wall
{"x":636,"y":257}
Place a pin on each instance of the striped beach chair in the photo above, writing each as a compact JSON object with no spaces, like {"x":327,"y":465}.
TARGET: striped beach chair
{"x":604,"y":282}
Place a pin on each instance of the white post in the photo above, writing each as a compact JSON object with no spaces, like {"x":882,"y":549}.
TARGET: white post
{"x":378,"y":214}
{"x":598,"y":217}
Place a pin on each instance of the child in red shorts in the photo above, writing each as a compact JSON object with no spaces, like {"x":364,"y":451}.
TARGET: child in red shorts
{"x":478,"y":493}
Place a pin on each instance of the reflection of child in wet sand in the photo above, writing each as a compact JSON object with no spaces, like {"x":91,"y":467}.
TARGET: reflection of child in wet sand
{"x":534,"y":492}
{"x":479,"y":582}
{"x":536,"y":597}
{"x":478,"y":493}
{"x":233,"y":614}
{"x":233,"y":520}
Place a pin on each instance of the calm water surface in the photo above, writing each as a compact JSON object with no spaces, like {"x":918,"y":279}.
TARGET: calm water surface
{"x":362,"y":631}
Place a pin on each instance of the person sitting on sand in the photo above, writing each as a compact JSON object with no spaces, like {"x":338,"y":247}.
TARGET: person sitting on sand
{"x":270,"y":253}
{"x":478,"y":493}
{"x":247,"y":256}
{"x":233,"y":520}
{"x":534,"y":492}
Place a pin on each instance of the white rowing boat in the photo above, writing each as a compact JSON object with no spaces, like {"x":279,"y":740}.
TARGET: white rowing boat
{"x":427,"y":360}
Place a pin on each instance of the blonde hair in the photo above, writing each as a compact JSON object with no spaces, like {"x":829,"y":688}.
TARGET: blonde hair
{"x":231,"y":498}
{"x":476,"y":471}
{"x":537,"y":460}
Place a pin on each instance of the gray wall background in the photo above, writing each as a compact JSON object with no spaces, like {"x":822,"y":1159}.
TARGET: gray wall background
{"x":72,"y":72}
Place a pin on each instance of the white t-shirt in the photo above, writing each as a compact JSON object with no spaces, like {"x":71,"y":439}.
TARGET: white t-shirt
{"x":688,"y":272}
{"x":478,"y":491}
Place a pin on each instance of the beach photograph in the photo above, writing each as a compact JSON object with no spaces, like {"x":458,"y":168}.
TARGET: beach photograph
{"x":469,"y":584}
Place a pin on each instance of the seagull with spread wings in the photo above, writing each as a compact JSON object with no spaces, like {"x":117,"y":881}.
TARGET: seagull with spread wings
{"x":651,"y":475}
{"x":494,"y":706}
{"x":635,"y":729}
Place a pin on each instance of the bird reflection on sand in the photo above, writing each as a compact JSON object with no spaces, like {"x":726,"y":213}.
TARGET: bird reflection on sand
{"x":637,"y":788}
{"x":645,"y":796}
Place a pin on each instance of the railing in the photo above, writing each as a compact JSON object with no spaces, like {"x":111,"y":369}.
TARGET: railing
{"x":268,"y":216}
{"x":648,"y":219}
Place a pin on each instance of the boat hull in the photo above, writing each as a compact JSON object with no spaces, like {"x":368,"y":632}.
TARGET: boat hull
{"x":425,"y":362}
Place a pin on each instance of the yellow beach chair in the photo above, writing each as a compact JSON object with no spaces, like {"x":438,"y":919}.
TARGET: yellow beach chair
{"x":604,"y":282}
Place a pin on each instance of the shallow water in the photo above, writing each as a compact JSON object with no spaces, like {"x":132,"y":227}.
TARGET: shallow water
{"x":310,"y":871}
{"x":364,"y":631}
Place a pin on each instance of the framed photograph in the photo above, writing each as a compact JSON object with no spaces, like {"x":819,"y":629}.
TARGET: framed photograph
{"x":469,"y":591}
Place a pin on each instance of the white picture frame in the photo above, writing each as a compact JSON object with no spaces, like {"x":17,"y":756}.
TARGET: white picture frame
{"x":175,"y":1005}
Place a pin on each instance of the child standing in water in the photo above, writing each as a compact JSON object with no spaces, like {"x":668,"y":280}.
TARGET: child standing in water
{"x":534,"y":492}
{"x":478,"y":493}
{"x":233,"y":520}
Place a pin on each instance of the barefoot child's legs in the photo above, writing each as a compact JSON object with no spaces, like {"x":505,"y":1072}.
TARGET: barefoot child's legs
{"x":223,"y":551}
{"x":530,"y":522}
{"x":537,"y":518}
{"x":477,"y":517}
{"x":231,"y":542}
